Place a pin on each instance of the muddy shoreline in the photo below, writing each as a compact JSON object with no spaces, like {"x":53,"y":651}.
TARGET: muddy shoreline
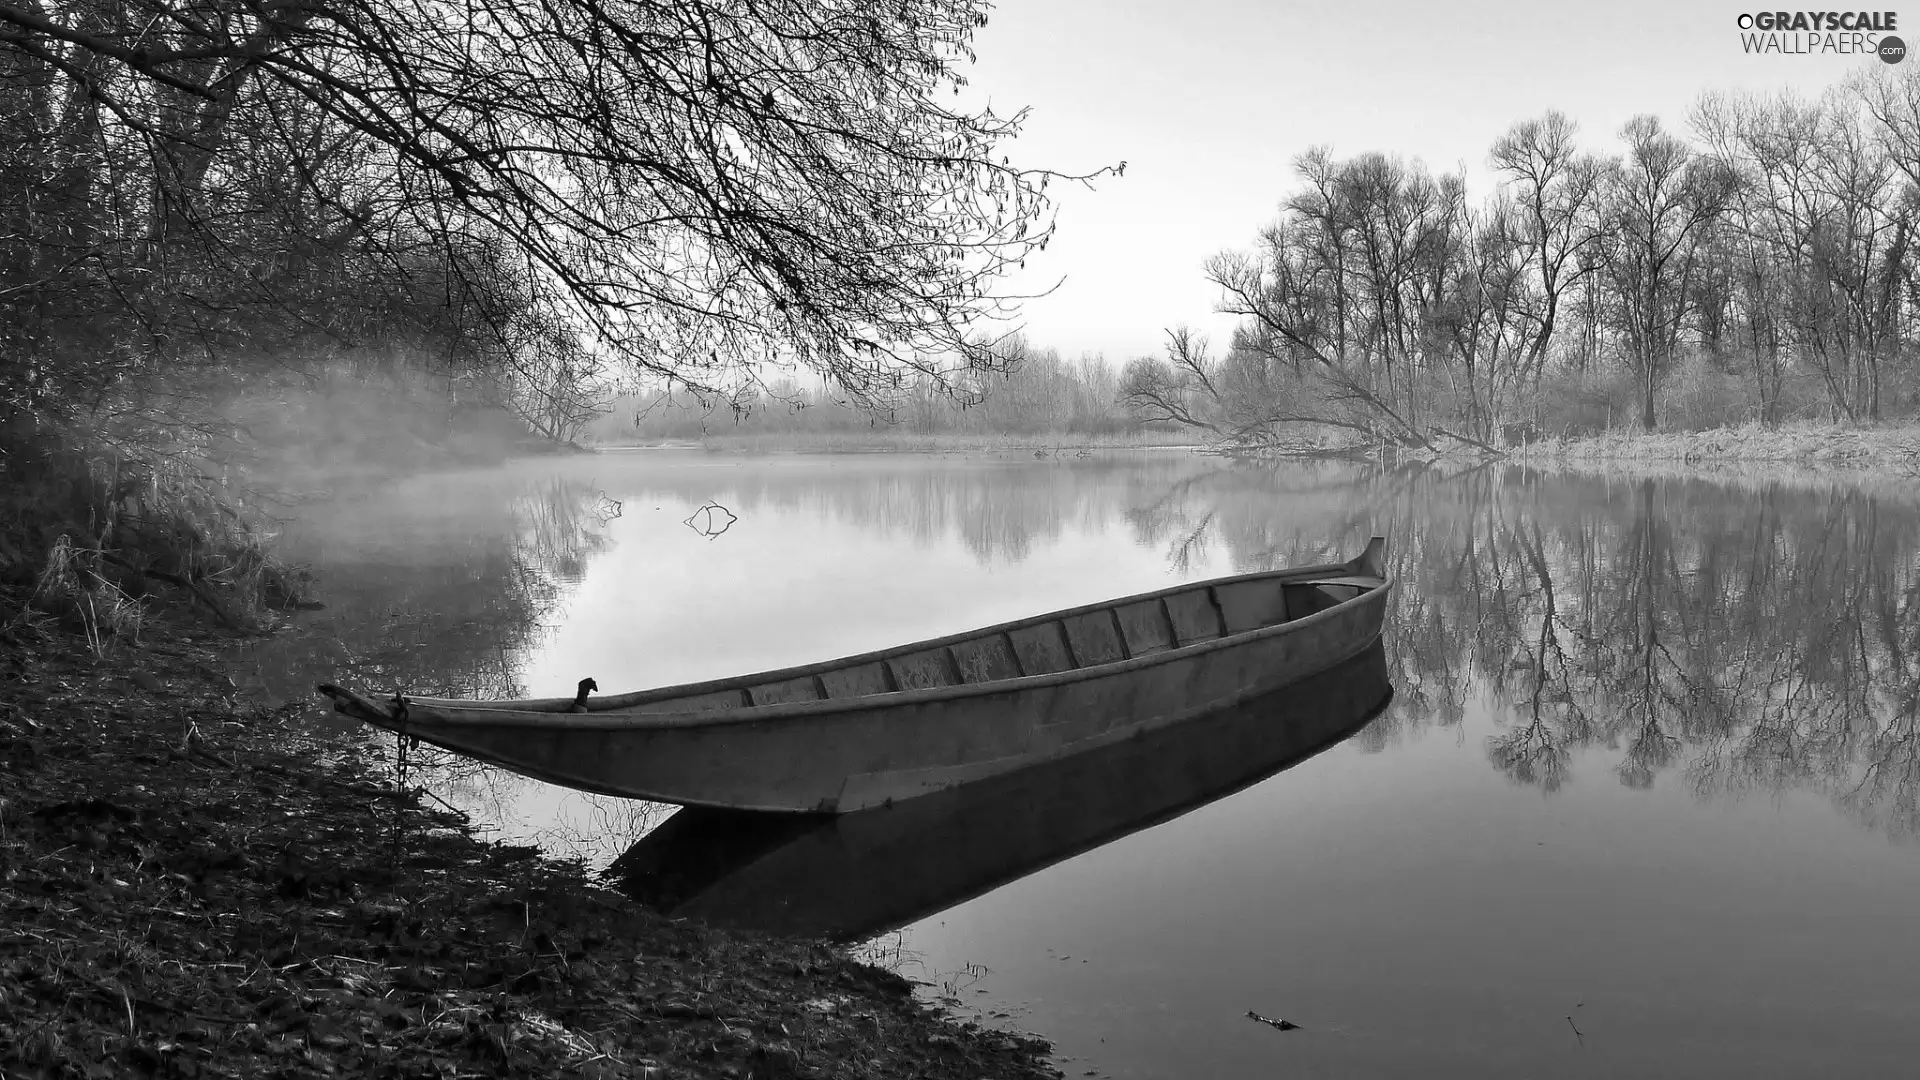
{"x":195,"y":886}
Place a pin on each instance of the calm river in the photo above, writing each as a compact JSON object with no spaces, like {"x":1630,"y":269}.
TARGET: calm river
{"x":1642,"y":803}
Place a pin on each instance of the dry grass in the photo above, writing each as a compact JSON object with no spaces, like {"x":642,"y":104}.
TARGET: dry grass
{"x":1882,"y":462}
{"x":71,"y":587}
{"x":1805,"y":445}
{"x":91,"y":526}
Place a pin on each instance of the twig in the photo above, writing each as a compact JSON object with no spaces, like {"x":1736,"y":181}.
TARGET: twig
{"x":1495,"y":451}
{"x":1283,"y":1025}
{"x":1576,"y":1032}
{"x":706,"y":527}
{"x":129,"y":1000}
{"x":186,"y":583}
{"x":195,"y":745}
{"x":456,"y":810}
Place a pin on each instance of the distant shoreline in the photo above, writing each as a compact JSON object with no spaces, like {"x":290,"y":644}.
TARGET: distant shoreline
{"x":1043,"y":446}
{"x":1806,"y":447}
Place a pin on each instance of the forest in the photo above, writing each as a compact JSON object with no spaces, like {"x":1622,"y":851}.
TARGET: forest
{"x":1757,"y":268}
{"x":1753,"y":266}
{"x":1032,"y":394}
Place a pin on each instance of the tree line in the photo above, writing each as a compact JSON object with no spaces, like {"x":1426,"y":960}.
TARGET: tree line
{"x":1766,"y":264}
{"x":1029,"y":391}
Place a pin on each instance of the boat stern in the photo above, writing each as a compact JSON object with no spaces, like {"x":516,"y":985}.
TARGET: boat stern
{"x":1372,"y":561}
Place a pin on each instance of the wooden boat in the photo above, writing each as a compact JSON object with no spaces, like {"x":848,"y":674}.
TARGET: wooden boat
{"x":851,"y":876}
{"x":867,"y":730}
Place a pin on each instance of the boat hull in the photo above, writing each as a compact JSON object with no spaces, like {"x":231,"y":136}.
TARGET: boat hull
{"x":847,"y":754}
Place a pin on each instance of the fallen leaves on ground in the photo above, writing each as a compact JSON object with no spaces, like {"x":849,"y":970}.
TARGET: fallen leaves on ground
{"x":193,"y":887}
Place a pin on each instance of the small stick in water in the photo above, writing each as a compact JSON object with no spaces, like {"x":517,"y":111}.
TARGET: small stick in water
{"x":1283,"y":1025}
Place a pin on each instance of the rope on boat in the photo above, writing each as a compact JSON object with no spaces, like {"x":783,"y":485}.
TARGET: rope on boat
{"x":400,"y":719}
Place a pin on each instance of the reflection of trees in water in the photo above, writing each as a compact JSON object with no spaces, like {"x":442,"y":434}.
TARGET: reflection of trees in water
{"x":491,"y":591}
{"x":999,"y":510}
{"x":439,"y":592}
{"x":572,"y":824}
{"x":1746,"y":640}
{"x":560,"y":525}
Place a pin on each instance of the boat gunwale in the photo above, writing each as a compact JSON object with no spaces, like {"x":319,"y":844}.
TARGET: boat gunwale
{"x":616,"y":702}
{"x":609,"y":718}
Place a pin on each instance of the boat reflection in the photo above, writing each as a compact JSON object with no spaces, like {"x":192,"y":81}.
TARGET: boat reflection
{"x":852,"y":876}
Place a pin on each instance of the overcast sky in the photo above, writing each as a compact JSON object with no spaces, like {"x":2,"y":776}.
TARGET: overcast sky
{"x":1210,"y":101}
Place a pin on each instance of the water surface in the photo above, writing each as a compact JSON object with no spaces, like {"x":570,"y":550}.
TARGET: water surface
{"x":1641,"y":804}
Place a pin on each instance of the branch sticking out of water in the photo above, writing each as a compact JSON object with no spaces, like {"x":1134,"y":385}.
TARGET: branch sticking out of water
{"x":708,"y":520}
{"x":1283,"y":1025}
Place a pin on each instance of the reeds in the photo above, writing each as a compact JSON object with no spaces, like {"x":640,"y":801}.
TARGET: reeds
{"x":112,"y":520}
{"x":71,"y":587}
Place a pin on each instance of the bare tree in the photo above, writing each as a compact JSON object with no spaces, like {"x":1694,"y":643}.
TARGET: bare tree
{"x":1658,"y":203}
{"x":1760,"y":234}
{"x":1179,"y":389}
{"x":1859,"y":253}
{"x":1556,"y":192}
{"x":1349,"y":290}
{"x":695,"y":186}
{"x":1485,"y":323}
{"x":1824,"y":217}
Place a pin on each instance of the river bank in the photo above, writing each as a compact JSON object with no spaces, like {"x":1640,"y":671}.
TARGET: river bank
{"x":193,"y":885}
{"x":1829,"y":446}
